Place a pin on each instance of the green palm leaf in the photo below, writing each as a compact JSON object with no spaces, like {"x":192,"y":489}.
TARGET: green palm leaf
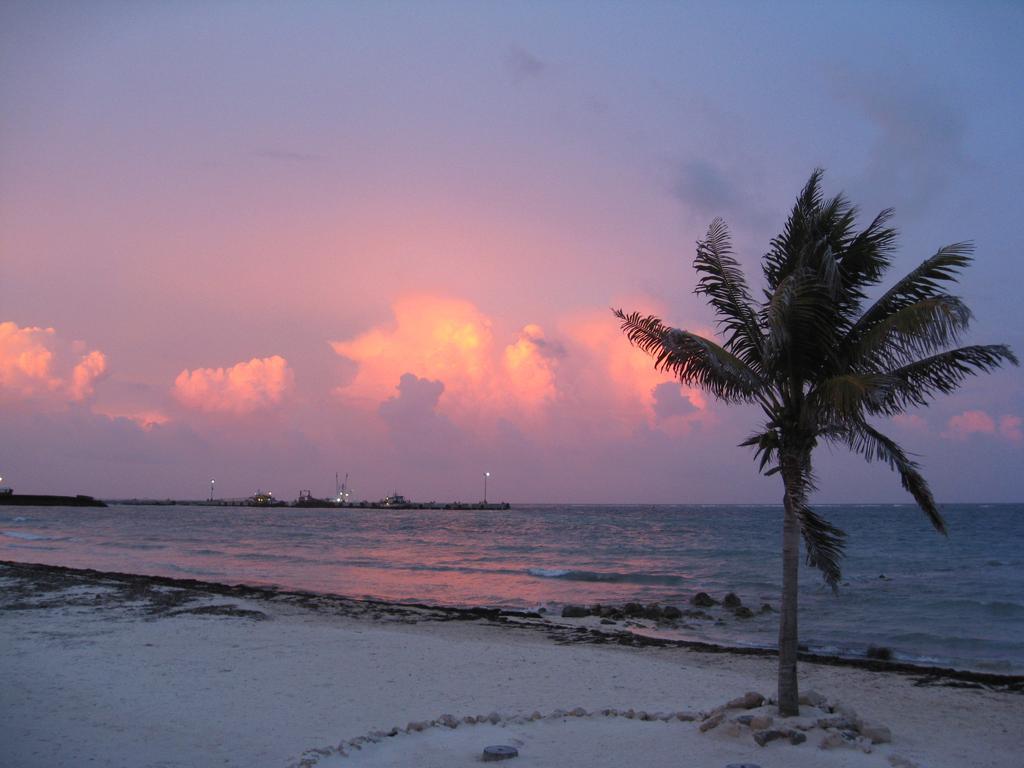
{"x":694,"y":360}
{"x":725,"y":286}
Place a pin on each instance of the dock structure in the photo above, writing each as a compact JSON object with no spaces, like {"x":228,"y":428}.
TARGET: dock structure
{"x":311,"y":503}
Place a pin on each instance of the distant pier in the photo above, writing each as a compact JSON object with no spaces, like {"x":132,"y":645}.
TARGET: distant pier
{"x":312,"y":504}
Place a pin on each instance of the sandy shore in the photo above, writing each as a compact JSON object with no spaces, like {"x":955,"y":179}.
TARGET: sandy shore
{"x":109,"y":670}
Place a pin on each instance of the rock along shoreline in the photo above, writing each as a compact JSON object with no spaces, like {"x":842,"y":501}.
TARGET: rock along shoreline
{"x":59,"y":577}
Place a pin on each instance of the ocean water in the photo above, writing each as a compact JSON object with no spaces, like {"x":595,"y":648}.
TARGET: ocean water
{"x":955,"y":601}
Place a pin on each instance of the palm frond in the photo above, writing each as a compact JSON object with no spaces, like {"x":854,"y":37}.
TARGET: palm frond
{"x":849,"y":395}
{"x":924,"y":282}
{"x":922,"y":328}
{"x":874,"y":446}
{"x":766,"y":448}
{"x":917,"y":383}
{"x":824,"y":544}
{"x":725,"y":286}
{"x":787,"y":247}
{"x":866,"y":257}
{"x":694,"y":360}
{"x":799,"y":317}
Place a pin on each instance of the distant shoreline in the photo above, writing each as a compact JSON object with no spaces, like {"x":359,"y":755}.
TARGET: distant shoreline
{"x":562,"y":632}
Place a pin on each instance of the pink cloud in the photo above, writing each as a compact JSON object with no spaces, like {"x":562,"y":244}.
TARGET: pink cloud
{"x":243,"y":388}
{"x":85,"y":373}
{"x":969,"y":423}
{"x":1010,"y":428}
{"x":146,"y":419}
{"x":452,"y":341}
{"x":35,"y":363}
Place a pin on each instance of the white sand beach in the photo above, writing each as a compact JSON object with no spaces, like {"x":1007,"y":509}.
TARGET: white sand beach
{"x":99,"y":672}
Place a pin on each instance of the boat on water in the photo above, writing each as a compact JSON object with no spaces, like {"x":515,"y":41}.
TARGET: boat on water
{"x":261,"y":499}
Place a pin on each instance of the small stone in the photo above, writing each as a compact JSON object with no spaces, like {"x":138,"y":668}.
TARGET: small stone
{"x":535,"y":715}
{"x":766,"y":608}
{"x":743,"y":612}
{"x":761,"y":738}
{"x":831,"y":740}
{"x":415,"y":727}
{"x":499,"y":752}
{"x":629,"y":713}
{"x":469,"y":720}
{"x":797,"y":737}
{"x":494,"y":718}
{"x":845,"y":709}
{"x":671,"y":613}
{"x":575,"y":612}
{"x":558,"y":713}
{"x":879,"y":652}
{"x":732,"y":600}
{"x":712,"y":722}
{"x":703,"y":600}
{"x":732,"y":729}
{"x":686,"y":717}
{"x":838,"y":722}
{"x":748,"y":700}
{"x":578,"y":712}
{"x":633,"y":609}
{"x":641,"y":715}
{"x":744,"y":719}
{"x":878,"y":733}
{"x":801,"y":723}
{"x":448,"y":721}
{"x":812,"y":698}
{"x":652,"y":611}
{"x":761,"y":722}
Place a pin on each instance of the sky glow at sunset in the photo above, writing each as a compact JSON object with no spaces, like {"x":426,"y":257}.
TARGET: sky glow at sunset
{"x":267,"y":242}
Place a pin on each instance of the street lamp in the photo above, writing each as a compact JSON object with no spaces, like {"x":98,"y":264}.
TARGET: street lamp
{"x":211,"y":489}
{"x":486,"y":475}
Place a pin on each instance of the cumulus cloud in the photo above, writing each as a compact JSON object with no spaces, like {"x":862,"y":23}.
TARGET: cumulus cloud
{"x":968,"y":423}
{"x":36,"y":363}
{"x":259,"y":383}
{"x":584,"y":379}
{"x":1010,"y":428}
{"x":669,"y":401}
{"x":531,"y":362}
{"x":416,"y":398}
{"x":452,"y":341}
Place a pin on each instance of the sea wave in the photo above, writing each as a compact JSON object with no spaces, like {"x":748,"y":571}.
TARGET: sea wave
{"x":604,"y":576}
{"x":27,"y":536}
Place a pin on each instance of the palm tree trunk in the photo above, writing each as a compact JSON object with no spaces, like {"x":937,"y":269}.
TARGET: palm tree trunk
{"x":788,"y":694}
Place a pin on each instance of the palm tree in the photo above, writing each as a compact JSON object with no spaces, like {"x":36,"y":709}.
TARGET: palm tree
{"x":819,"y":363}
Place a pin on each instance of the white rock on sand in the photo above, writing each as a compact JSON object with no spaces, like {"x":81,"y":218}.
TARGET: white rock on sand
{"x":109,"y":686}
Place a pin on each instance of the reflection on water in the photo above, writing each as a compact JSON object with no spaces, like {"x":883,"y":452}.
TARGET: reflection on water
{"x":956,"y":600}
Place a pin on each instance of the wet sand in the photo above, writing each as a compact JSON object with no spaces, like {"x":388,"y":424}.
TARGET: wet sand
{"x":117,"y":669}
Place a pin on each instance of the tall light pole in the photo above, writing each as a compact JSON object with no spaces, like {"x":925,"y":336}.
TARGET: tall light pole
{"x":486,"y":475}
{"x":211,"y":489}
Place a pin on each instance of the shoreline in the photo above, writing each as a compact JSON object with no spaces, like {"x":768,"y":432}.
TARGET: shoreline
{"x":560,"y":631}
{"x":124,"y":669}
